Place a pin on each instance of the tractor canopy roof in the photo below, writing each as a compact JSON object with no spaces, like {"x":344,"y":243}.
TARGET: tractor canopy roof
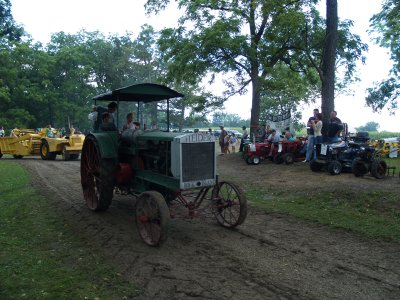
{"x":143,"y":92}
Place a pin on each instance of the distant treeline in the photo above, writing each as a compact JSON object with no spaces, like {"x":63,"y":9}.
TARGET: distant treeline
{"x":379,"y":135}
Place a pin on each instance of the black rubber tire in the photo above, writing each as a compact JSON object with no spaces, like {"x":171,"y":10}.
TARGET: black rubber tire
{"x":74,"y":156}
{"x":45,"y":153}
{"x":288,"y":158}
{"x":1,"y":154}
{"x":378,"y":168}
{"x":278,"y":158}
{"x":249,"y":160}
{"x":358,"y":168}
{"x":152,"y":218}
{"x":18,"y":156}
{"x":229,"y":204}
{"x":315,"y":166}
{"x":256,"y":160}
{"x":334,"y":167}
{"x":97,"y":176}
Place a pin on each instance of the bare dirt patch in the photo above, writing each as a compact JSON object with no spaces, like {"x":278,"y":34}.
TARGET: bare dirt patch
{"x":268,"y":257}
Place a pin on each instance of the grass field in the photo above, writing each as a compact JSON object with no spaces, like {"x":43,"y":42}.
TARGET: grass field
{"x":393,"y":162}
{"x":40,"y":258}
{"x":373,"y":215}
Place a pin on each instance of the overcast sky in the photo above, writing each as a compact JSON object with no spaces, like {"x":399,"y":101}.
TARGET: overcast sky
{"x":41,"y":18}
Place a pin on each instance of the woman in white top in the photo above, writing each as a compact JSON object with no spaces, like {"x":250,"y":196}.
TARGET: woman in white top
{"x":317,"y":126}
{"x":129,"y":122}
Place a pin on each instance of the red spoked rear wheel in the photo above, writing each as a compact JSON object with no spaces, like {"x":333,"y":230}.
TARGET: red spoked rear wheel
{"x":97,"y":176}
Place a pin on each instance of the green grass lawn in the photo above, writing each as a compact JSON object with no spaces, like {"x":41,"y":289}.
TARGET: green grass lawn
{"x":373,"y":214}
{"x":393,"y":162}
{"x":40,"y":257}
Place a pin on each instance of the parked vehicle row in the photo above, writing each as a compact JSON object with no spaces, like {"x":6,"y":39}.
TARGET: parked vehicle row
{"x":354,"y":155}
{"x":286,"y":151}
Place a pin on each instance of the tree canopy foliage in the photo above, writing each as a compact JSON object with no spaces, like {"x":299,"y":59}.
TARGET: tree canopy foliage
{"x":386,"y":24}
{"x":8,"y":28}
{"x":273,"y":47}
{"x":251,"y":43}
{"x":369,"y":126}
{"x":54,"y":84}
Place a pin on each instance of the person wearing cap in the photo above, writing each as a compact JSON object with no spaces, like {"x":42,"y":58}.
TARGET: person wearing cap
{"x":111,"y":108}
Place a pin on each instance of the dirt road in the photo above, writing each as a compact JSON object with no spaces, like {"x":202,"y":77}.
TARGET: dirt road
{"x":268,"y":257}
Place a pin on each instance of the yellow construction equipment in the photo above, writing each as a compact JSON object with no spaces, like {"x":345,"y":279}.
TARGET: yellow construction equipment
{"x":24,"y":142}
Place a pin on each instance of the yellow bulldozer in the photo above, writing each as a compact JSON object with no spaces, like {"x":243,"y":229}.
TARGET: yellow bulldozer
{"x":47,"y":143}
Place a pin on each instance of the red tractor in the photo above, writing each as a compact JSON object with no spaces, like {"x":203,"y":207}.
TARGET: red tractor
{"x":255,"y":153}
{"x":285,"y":151}
{"x":290,"y":151}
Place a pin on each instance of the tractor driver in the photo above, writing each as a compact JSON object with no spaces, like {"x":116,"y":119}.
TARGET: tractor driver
{"x":111,"y":108}
{"x":106,"y":124}
{"x":273,"y":138}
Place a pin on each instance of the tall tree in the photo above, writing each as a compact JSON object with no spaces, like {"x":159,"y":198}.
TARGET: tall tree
{"x":386,"y":23}
{"x":242,"y":40}
{"x":328,"y":61}
{"x":334,"y":52}
{"x":246,"y":41}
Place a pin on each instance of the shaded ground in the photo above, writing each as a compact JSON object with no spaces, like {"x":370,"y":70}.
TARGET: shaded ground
{"x":268,"y":257}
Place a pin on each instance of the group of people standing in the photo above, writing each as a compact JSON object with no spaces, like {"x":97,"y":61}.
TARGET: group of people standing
{"x":226,"y":141}
{"x":314,"y":132}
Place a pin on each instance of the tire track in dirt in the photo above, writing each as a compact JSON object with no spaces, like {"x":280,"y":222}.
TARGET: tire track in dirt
{"x":268,"y":257}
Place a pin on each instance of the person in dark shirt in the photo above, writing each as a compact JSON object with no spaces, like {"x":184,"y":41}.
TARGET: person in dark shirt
{"x":111,"y":108}
{"x":335,"y":126}
{"x":244,"y":136}
{"x":106,"y":124}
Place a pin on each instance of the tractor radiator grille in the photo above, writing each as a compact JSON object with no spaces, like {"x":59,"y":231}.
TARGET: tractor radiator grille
{"x":198,"y":161}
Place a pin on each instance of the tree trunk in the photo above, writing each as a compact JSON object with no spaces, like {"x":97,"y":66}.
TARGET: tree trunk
{"x":328,"y":62}
{"x":255,"y":103}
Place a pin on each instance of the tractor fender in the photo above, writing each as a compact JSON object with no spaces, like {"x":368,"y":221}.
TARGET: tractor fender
{"x":107,"y":143}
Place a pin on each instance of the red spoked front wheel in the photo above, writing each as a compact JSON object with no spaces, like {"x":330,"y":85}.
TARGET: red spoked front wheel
{"x":229,"y":204}
{"x":97,"y":176}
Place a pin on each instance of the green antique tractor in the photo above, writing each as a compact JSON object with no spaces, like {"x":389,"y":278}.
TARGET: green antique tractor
{"x":160,"y":170}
